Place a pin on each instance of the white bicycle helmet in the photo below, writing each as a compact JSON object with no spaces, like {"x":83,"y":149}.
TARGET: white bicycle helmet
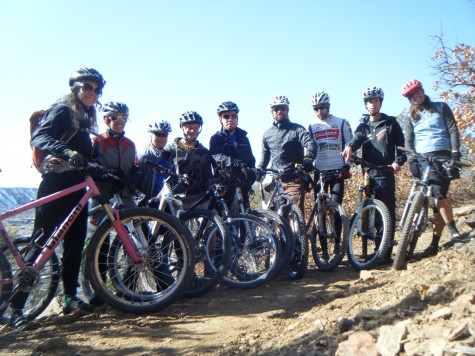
{"x":279,"y":100}
{"x":373,"y":92}
{"x":115,"y":108}
{"x":320,"y":98}
{"x":159,"y":126}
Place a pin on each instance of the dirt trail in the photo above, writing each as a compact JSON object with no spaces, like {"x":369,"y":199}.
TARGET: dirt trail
{"x":282,"y":317}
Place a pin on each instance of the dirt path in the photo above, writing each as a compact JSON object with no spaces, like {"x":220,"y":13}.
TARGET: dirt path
{"x":282,"y":317}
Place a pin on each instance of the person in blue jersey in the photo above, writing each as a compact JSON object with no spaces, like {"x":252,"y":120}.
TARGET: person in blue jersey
{"x":431,"y":129}
{"x":230,"y":147}
{"x":151,"y":179}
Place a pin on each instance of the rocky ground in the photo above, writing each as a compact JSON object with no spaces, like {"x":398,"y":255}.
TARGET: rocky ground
{"x":428,"y":309}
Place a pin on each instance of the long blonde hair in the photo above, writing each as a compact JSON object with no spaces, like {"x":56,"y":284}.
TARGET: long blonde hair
{"x":79,"y":110}
{"x":414,"y":110}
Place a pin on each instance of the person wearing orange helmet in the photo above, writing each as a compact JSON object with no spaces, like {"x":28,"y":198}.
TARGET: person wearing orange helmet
{"x":431,"y":130}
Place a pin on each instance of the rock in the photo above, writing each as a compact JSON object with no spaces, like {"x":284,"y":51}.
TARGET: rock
{"x":411,"y":301}
{"x":360,"y":343}
{"x":459,"y":332}
{"x":433,"y":295}
{"x":390,"y":337}
{"x":53,"y":344}
{"x":442,"y":313}
{"x":345,"y":324}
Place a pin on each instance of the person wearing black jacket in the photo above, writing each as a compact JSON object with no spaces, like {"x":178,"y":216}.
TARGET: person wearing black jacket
{"x":286,"y":144}
{"x":230,"y":147}
{"x":74,"y":110}
{"x":378,"y":135}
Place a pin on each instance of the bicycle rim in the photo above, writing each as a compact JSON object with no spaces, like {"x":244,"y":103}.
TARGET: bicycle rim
{"x":409,"y":234}
{"x":256,"y":252}
{"x":41,"y":294}
{"x":281,"y":229}
{"x":212,"y":250}
{"x":168,"y":258}
{"x":330,"y":236}
{"x":367,"y":245}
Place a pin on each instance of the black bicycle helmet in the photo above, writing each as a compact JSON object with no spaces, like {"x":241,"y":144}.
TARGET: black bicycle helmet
{"x":159,"y":126}
{"x":227,"y":106}
{"x":191,"y":117}
{"x":84,"y":74}
{"x":114,"y":108}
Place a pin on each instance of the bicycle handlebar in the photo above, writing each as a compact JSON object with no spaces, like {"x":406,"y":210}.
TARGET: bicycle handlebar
{"x":432,"y":159}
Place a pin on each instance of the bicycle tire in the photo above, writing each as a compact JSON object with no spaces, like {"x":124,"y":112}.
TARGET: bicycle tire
{"x":323,"y":242}
{"x":5,"y":288}
{"x":254,"y":259}
{"x":372,"y":238}
{"x":43,"y":292}
{"x":283,"y":231}
{"x":157,"y":282}
{"x":409,"y":231}
{"x":298,"y":265}
{"x":85,"y":287}
{"x":212,"y":250}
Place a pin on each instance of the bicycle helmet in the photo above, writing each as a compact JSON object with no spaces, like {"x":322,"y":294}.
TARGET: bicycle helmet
{"x":373,"y":92}
{"x":84,"y":74}
{"x":190,"y":117}
{"x":227,"y":106}
{"x":159,"y":126}
{"x":279,"y":100}
{"x":114,"y":108}
{"x":410,"y":86}
{"x":320,"y":98}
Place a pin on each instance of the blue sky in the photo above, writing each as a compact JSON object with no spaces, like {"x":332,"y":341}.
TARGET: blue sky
{"x":163,"y":58}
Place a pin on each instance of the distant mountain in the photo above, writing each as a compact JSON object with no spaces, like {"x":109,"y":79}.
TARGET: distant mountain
{"x":12,"y":197}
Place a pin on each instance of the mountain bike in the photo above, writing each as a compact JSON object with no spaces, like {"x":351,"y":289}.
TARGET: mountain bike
{"x":144,"y":243}
{"x":255,"y":248}
{"x":328,"y":226}
{"x":296,"y":251}
{"x":210,"y":234}
{"x":415,"y":216}
{"x":371,"y":225}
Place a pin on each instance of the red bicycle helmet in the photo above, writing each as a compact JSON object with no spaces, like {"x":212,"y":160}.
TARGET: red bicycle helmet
{"x":410,"y":86}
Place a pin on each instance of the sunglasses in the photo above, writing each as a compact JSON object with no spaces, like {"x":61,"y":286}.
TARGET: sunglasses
{"x":229,"y":117}
{"x":277,"y":108}
{"x":160,"y":134}
{"x":116,"y":117}
{"x":319,"y":107}
{"x":86,"y":87}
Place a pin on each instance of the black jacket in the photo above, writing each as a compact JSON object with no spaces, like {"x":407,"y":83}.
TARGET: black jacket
{"x":379,"y":140}
{"x":285,"y":144}
{"x":223,"y":149}
{"x":47,"y":137}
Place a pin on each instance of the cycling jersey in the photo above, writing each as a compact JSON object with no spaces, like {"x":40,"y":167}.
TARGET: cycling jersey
{"x":331,"y":136}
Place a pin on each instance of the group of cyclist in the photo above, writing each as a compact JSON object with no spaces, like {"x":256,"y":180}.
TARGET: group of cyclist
{"x":326,"y":145}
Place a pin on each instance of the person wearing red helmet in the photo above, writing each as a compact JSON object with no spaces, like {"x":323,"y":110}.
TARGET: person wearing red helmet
{"x":431,"y":130}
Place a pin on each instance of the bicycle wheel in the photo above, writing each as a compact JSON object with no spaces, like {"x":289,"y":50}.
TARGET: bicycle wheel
{"x":369,"y":237}
{"x":5,"y":287}
{"x":410,"y":231}
{"x":166,"y":246}
{"x":212,"y":250}
{"x":329,"y":236}
{"x":43,"y":291}
{"x":283,"y":231}
{"x":298,"y":264}
{"x":256,"y":252}
{"x":85,"y":287}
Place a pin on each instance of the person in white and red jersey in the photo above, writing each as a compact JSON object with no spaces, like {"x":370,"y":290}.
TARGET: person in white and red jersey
{"x":331,"y":134}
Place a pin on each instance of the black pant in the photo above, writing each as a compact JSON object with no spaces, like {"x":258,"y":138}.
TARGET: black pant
{"x":47,"y":218}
